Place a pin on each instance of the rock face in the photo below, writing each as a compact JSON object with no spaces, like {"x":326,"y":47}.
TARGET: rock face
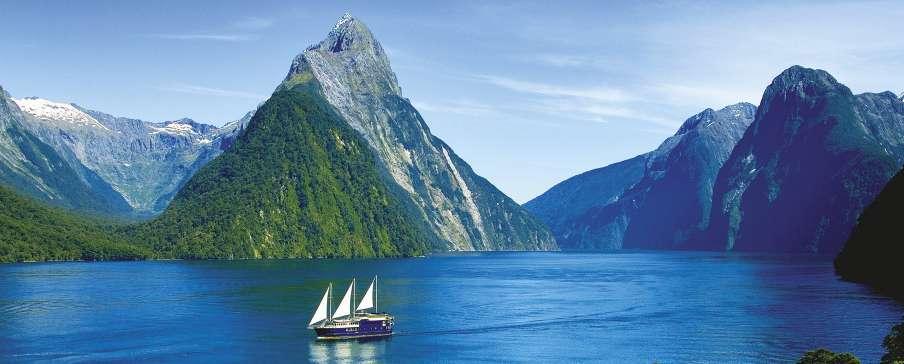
{"x":35,"y":169}
{"x":815,"y":156}
{"x":874,"y":252}
{"x":146,"y":163}
{"x":460,"y":210}
{"x":654,"y":201}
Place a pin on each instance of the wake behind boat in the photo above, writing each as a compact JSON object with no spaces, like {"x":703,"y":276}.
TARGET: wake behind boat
{"x":345,"y":323}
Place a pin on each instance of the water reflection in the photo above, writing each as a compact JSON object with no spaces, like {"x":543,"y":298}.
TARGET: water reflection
{"x":349,"y":351}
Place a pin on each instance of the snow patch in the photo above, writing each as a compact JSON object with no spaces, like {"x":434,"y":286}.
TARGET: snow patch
{"x":342,"y":20}
{"x":173,"y":129}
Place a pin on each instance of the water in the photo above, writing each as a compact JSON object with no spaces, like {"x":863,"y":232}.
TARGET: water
{"x":636,"y":307}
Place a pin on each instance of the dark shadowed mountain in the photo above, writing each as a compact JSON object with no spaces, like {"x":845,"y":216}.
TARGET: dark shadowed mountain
{"x":656,"y":200}
{"x":815,"y":156}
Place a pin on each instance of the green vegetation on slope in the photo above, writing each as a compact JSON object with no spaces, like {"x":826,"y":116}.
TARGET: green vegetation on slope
{"x":298,"y":183}
{"x":823,"y":356}
{"x":31,"y":231}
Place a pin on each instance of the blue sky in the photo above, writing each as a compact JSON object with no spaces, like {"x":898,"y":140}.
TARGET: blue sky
{"x":529,"y":93}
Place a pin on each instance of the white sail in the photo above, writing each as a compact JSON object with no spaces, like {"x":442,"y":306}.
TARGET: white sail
{"x":322,"y":309}
{"x":368,"y":300}
{"x":345,"y":306}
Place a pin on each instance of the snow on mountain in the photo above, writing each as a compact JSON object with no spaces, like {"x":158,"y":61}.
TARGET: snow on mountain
{"x":175,"y":128}
{"x":56,"y":111}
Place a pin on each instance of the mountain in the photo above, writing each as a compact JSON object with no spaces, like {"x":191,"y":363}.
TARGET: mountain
{"x":563,"y":205}
{"x":35,"y":169}
{"x":813,"y":158}
{"x":31,"y":231}
{"x":673,"y":200}
{"x":299,"y":182}
{"x":876,"y":246}
{"x":460,"y":210}
{"x":144,"y":162}
{"x":654,"y":201}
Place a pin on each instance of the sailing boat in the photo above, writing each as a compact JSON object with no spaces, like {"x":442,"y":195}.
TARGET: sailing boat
{"x":346,"y":323}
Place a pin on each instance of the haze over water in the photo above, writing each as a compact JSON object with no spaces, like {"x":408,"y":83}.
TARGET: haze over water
{"x":619,"y":307}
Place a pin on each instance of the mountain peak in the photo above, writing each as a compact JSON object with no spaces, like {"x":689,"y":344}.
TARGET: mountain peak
{"x":798,"y":76}
{"x":739,"y":111}
{"x":348,"y":33}
{"x":345,"y":18}
{"x":350,"y":55}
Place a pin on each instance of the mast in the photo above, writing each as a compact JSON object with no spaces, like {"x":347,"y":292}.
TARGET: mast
{"x":375,"y":295}
{"x":329,"y":310}
{"x":352,"y":304}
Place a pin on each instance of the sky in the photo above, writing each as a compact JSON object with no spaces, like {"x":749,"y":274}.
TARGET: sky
{"x":529,"y":93}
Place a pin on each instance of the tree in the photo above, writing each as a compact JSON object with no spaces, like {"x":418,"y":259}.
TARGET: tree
{"x":823,"y":356}
{"x":894,"y":345}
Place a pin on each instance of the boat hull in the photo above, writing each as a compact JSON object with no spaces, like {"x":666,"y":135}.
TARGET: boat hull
{"x":355,"y":329}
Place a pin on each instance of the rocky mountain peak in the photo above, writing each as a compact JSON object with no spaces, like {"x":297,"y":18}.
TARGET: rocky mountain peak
{"x":800,"y":88}
{"x":803,"y":82}
{"x":349,"y":61}
{"x":739,"y":111}
{"x":349,"y":34}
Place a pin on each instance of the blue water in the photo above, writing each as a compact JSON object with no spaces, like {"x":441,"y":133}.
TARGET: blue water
{"x":636,"y":307}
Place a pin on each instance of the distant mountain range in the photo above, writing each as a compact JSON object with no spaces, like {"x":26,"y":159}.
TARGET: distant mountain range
{"x":793,"y":177}
{"x":34,"y":168}
{"x":146,"y":163}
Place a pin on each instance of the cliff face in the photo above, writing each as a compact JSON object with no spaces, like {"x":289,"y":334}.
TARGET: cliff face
{"x":459,"y":209}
